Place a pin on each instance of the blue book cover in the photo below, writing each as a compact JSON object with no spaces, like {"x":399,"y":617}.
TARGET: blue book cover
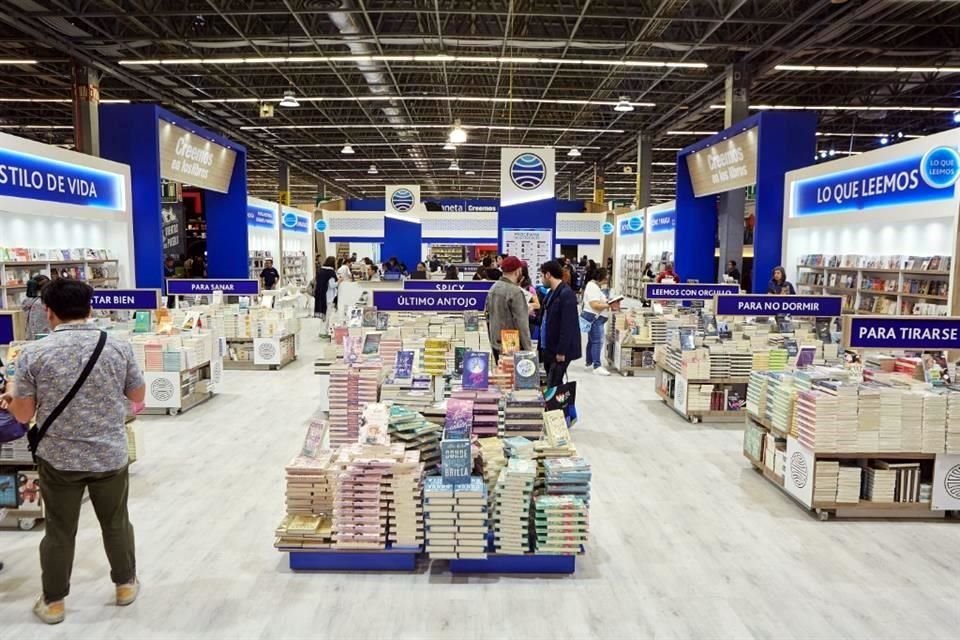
{"x":459,"y":420}
{"x":435,"y":486}
{"x":403,"y":368}
{"x":456,"y":461}
{"x":471,"y":321}
{"x":476,"y":370}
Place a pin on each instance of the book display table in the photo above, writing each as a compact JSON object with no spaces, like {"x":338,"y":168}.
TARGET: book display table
{"x":260,"y":354}
{"x":692,"y":399}
{"x":327,"y":560}
{"x":528,"y":563}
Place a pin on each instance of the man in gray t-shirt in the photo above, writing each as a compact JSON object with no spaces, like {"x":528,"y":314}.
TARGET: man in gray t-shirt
{"x":85,"y":447}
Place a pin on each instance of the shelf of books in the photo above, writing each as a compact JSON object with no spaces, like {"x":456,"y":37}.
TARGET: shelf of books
{"x":881,"y":447}
{"x":429,"y":452}
{"x":295,"y":268}
{"x":879,"y":285}
{"x":631,"y":276}
{"x":630,"y":341}
{"x":257,"y":261}
{"x":97,"y":267}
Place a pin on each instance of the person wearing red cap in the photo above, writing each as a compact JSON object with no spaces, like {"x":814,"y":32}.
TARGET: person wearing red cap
{"x":507,"y":306}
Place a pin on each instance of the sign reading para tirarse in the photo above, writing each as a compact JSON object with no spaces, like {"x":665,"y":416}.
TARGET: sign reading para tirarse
{"x":654,"y":291}
{"x":767,"y":305}
{"x":189,"y":287}
{"x":904,"y":332}
{"x":429,"y":300}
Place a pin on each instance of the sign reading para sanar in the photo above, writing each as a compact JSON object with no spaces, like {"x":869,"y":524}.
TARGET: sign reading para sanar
{"x":24,"y":175}
{"x":429,"y":300}
{"x":767,"y":305}
{"x":903,"y":332}
{"x":189,"y":287}
{"x":125,"y":299}
{"x":192,"y":159}
{"x":447,"y":285}
{"x":654,"y":291}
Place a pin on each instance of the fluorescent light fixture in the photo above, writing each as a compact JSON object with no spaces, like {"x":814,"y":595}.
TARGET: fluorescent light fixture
{"x":574,"y":152}
{"x":470,"y":172}
{"x":837,"y":107}
{"x":347,"y":149}
{"x":623,"y":105}
{"x":18,"y":61}
{"x":36,"y":126}
{"x":865,"y":69}
{"x":458,"y":135}
{"x":289,"y":100}
{"x":691,"y":133}
{"x":449,"y":146}
{"x":468,"y":127}
{"x":372,"y":170}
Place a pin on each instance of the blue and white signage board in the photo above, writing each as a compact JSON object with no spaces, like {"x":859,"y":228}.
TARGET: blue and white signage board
{"x":663,"y":221}
{"x":447,"y":285}
{"x":769,"y":305}
{"x":294,"y":222}
{"x":261,"y":216}
{"x":402,"y":198}
{"x":653,"y":291}
{"x":36,"y":177}
{"x":915,"y":333}
{"x":229,"y":287}
{"x":526,"y":174}
{"x":125,"y":299}
{"x":632,"y":224}
{"x":429,"y":300}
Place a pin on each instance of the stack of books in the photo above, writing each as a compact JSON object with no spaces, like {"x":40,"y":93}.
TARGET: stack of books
{"x":848,"y":484}
{"x":568,"y":476}
{"x":953,"y":423}
{"x":360,"y":513}
{"x":826,"y":480}
{"x":435,"y":356}
{"x":891,"y":419}
{"x":781,"y":405}
{"x":911,"y":429}
{"x":816,"y":421}
{"x":351,"y":388}
{"x":523,"y":414}
{"x":416,"y":434}
{"x":757,"y":394}
{"x":519,"y":447}
{"x":455,"y":518}
{"x":310,"y":485}
{"x":486,"y":410}
{"x":404,"y":506}
{"x":562,"y":524}
{"x":511,"y":510}
{"x":868,"y":419}
{"x":301,"y":531}
{"x":492,"y":460}
{"x":934,"y":424}
{"x":880,"y":485}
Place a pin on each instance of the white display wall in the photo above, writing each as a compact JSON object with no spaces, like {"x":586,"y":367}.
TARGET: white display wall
{"x":262,"y":238}
{"x":660,"y":232}
{"x":299,"y":240}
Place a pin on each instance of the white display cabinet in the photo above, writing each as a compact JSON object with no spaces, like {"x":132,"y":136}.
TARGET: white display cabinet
{"x":297,"y":266}
{"x":263,"y":234}
{"x":628,"y":261}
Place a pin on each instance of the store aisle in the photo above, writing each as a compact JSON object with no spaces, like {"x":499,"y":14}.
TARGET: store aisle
{"x":686,"y":542}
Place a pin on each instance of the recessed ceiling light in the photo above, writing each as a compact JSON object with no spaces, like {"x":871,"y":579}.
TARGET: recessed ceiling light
{"x":623,"y":105}
{"x":347,"y":149}
{"x":289,"y":100}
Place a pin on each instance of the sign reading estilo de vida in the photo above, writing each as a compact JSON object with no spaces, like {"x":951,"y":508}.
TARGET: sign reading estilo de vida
{"x":25,"y":175}
{"x":189,"y":287}
{"x":914,"y":179}
{"x":125,"y":299}
{"x":429,"y":300}
{"x":654,"y":291}
{"x":768,"y":305}
{"x":447,"y":285}
{"x":904,"y":332}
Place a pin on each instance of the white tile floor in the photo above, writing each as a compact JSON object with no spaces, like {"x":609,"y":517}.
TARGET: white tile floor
{"x":687,"y":542}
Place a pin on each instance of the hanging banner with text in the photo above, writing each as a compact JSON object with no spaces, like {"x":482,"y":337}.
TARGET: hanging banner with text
{"x":726,"y":165}
{"x":429,"y":300}
{"x":903,"y":332}
{"x":185,"y":287}
{"x":447,"y":285}
{"x":765,"y":305}
{"x":191,"y":159}
{"x":125,"y":299}
{"x":654,"y":291}
{"x":23,"y":175}
{"x":174,"y":231}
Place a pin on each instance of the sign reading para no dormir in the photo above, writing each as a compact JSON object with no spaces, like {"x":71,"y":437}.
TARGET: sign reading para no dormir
{"x":192,"y":159}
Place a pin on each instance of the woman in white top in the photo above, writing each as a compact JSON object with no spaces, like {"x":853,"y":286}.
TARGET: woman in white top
{"x":344,"y":274}
{"x":594,"y":301}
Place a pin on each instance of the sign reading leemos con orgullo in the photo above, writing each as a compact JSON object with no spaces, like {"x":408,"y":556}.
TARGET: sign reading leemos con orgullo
{"x":24,"y":175}
{"x":654,"y":291}
{"x":904,"y":332}
{"x":768,"y":305}
{"x":191,"y":159}
{"x":915,"y":179}
{"x":526,"y":175}
{"x":726,"y":165}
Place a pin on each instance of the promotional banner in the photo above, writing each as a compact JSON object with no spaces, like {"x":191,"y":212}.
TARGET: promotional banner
{"x":429,"y":300}
{"x":465,"y":206}
{"x":294,"y":222}
{"x":125,"y":299}
{"x":768,"y":305}
{"x":402,"y":198}
{"x":24,"y":175}
{"x":654,"y":291}
{"x":663,"y":221}
{"x":725,"y":165}
{"x":174,"y":233}
{"x":526,"y":175}
{"x":186,"y":287}
{"x":920,"y":178}
{"x":447,"y":285}
{"x":946,"y":482}
{"x":192,"y":159}
{"x":903,"y":332}
{"x":632,"y":225}
{"x":261,"y":216}
{"x":533,"y":246}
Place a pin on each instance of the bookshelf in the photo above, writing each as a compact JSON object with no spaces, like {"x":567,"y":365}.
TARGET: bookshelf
{"x":449,"y":253}
{"x":100,"y":272}
{"x":295,"y":268}
{"x":256,"y":261}
{"x":631,"y":275}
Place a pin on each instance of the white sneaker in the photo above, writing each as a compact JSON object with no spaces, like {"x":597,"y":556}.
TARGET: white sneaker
{"x":600,"y":371}
{"x":588,"y":366}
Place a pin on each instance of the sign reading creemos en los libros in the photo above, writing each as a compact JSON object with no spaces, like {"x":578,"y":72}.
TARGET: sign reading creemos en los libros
{"x":191,"y":159}
{"x":726,"y":165}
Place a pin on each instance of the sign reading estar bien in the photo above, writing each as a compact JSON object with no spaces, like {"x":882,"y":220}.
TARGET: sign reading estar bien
{"x":191,"y":159}
{"x":126,"y":299}
{"x":726,"y":165}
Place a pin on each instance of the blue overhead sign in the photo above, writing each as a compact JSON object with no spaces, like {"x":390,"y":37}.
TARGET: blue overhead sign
{"x":654,"y":291}
{"x":259,"y":216}
{"x":768,"y":305}
{"x":295,"y":223}
{"x":185,"y":287}
{"x":125,"y":299}
{"x":913,"y":180}
{"x":663,"y":221}
{"x":904,"y":332}
{"x":429,"y":300}
{"x":24,"y":175}
{"x":447,"y":285}
{"x":320,"y":226}
{"x":6,"y":328}
{"x":632,"y":225}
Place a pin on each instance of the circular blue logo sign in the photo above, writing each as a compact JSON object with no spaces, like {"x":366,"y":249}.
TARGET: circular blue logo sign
{"x":289,"y":220}
{"x":635,"y":223}
{"x":320,"y":226}
{"x":402,"y":200}
{"x":940,"y":167}
{"x":606,"y":228}
{"x":528,"y":171}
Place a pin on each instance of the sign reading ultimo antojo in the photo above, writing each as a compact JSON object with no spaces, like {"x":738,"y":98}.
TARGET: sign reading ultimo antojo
{"x":429,"y":300}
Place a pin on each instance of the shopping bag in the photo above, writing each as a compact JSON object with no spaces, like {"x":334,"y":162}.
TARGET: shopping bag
{"x":563,"y":397}
{"x":587,"y":318}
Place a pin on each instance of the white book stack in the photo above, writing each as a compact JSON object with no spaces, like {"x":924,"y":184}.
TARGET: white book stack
{"x":868,"y":420}
{"x":911,"y":430}
{"x":847,"y":419}
{"x":934,"y":426}
{"x":953,"y":423}
{"x":698,"y":397}
{"x":826,"y":479}
{"x":511,"y":512}
{"x":816,"y":421}
{"x":405,"y":525}
{"x":741,"y":363}
{"x":880,"y":485}
{"x":891,"y":420}
{"x":848,"y":485}
{"x":471,"y":514}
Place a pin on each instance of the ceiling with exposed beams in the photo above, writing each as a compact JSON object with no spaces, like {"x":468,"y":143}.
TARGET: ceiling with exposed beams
{"x":390,"y":77}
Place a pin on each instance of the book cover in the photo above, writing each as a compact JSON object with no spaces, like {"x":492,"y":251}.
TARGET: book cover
{"x":456,"y":461}
{"x":459,"y":419}
{"x":383,"y":320}
{"x":509,"y":341}
{"x":142,"y":323}
{"x":9,"y":497}
{"x":459,"y":353}
{"x":476,"y":370}
{"x":471,"y":321}
{"x":371,"y":344}
{"x":526,"y":370}
{"x":403,"y":367}
{"x":28,"y":490}
{"x":313,"y":441}
{"x":369,"y":318}
{"x":356,"y":317}
{"x":687,"y":342}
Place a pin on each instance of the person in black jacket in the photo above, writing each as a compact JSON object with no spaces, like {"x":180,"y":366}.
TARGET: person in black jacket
{"x":560,"y":325}
{"x":325,"y":275}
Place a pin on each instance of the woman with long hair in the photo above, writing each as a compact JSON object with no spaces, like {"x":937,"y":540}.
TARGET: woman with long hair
{"x":326,"y":283}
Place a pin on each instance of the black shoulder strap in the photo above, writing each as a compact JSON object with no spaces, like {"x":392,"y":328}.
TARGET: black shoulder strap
{"x":67,"y":399}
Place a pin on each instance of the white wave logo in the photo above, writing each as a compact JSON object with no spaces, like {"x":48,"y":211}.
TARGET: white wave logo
{"x":528,"y":171}
{"x":402,"y":200}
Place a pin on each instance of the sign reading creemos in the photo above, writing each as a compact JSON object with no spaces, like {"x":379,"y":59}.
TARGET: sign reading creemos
{"x":187,"y":287}
{"x":726,"y":165}
{"x":191,"y":159}
{"x":903,"y":332}
{"x":125,"y":299}
{"x":402,"y":198}
{"x":663,"y":221}
{"x":429,"y":300}
{"x":261,"y":216}
{"x":24,"y":175}
{"x":447,"y":285}
{"x":654,"y":291}
{"x":767,"y":305}
{"x":916,"y":179}
{"x":526,"y":175}
{"x":632,"y":224}
{"x":468,"y":206}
